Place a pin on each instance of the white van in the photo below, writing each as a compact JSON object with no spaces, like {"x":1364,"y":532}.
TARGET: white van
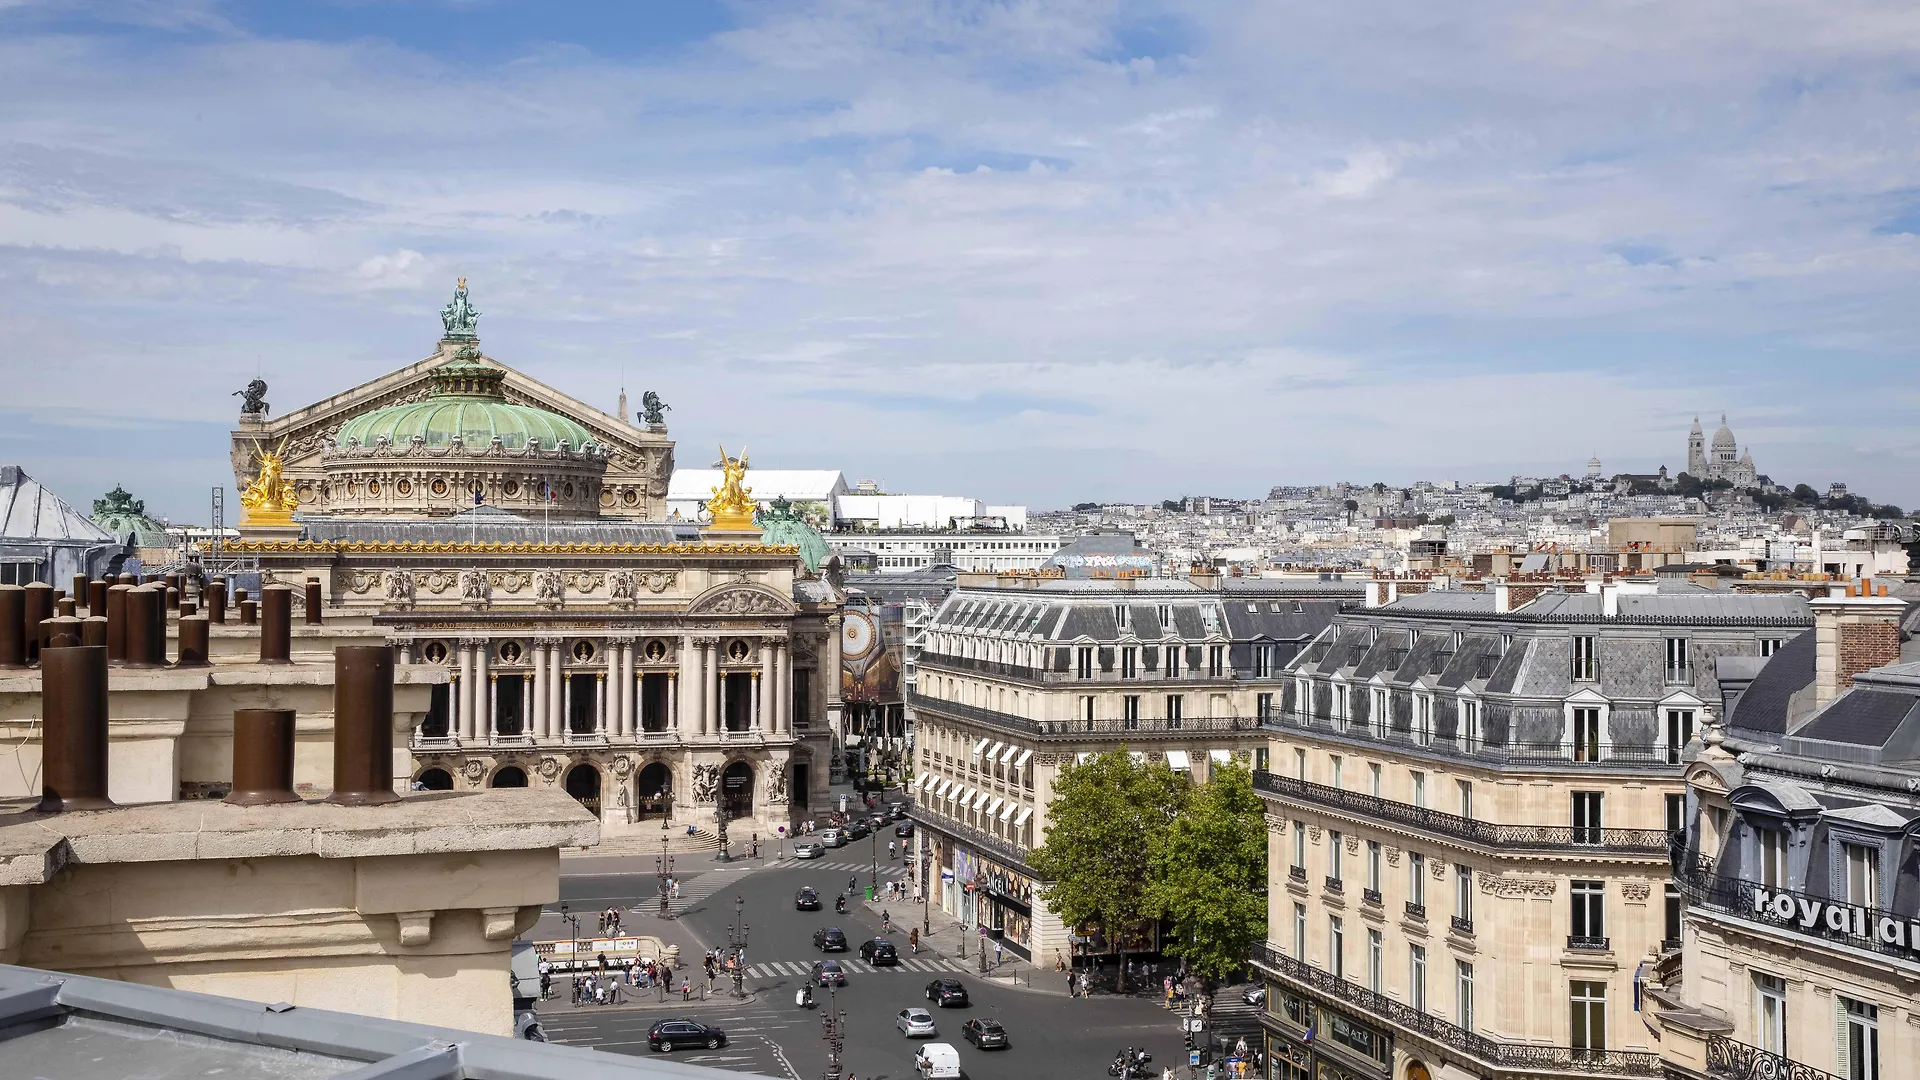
{"x":937,"y":1061}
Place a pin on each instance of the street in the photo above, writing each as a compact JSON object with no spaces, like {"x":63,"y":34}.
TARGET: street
{"x":1053,"y":1036}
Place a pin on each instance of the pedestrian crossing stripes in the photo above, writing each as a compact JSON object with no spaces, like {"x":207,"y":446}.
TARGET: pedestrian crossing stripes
{"x":844,"y":867}
{"x":774,"y":970}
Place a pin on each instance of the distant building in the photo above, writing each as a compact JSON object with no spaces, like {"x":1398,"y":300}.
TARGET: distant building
{"x":42,"y":538}
{"x":1723,"y":461}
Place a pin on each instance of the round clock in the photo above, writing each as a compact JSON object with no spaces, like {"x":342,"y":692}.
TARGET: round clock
{"x":858,"y":635}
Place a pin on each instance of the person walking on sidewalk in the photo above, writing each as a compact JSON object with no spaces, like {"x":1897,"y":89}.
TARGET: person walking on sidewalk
{"x":913,"y":939}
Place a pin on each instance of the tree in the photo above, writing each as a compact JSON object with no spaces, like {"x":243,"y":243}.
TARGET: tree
{"x":1085,"y":506}
{"x":1445,"y":519}
{"x":1804,"y":493}
{"x":1209,"y":875}
{"x":1106,"y":820}
{"x":1173,"y":505}
{"x":1351,"y":505}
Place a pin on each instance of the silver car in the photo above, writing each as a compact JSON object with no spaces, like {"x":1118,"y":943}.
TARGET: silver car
{"x":809,"y":849}
{"x":916,"y":1024}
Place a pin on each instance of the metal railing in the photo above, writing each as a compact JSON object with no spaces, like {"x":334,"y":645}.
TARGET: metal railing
{"x":1416,"y":911}
{"x":1651,"y":842}
{"x":1523,"y":1056}
{"x":1740,"y":899}
{"x":1463,"y":927}
{"x":1370,"y":896}
{"x":1475,"y":748}
{"x":1730,"y":1060}
{"x":1335,"y":885}
{"x":1011,"y":854}
{"x":1587,"y":943}
{"x":1075,"y":730}
{"x":1297,"y":873}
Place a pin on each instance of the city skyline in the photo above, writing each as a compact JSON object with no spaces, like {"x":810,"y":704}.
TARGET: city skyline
{"x":1069,"y":233}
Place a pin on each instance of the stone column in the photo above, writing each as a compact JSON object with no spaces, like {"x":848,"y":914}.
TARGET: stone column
{"x":482,"y":690}
{"x":493,"y":703}
{"x":600,"y":703}
{"x":629,"y":695}
{"x":467,"y":682}
{"x":566,"y":704}
{"x":536,"y":705}
{"x":673,"y":704}
{"x":456,"y":715}
{"x":709,"y":692}
{"x":782,"y":688}
{"x":556,"y":690}
{"x":830,"y":674}
{"x":763,"y":689}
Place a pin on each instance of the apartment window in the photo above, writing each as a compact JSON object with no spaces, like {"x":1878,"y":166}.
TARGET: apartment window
{"x":1380,"y":718}
{"x":1589,"y":925}
{"x":1586,"y":817}
{"x":1863,"y":874}
{"x":1773,"y":857}
{"x":1675,"y":908}
{"x":1679,"y":660}
{"x":1470,"y":725}
{"x":1463,"y":894}
{"x":1263,"y":706}
{"x":1340,"y":702}
{"x":1586,"y":734}
{"x":1216,"y":661}
{"x":1084,"y":660}
{"x":1262,"y":661}
{"x":1419,"y":788}
{"x":1423,"y":720}
{"x":1466,"y":798}
{"x":1676,"y":812}
{"x":1769,"y":646}
{"x":1417,"y":977}
{"x":1300,"y":932}
{"x":1300,"y":845}
{"x":1373,"y":867}
{"x":1336,"y":947}
{"x":1120,"y":616}
{"x":1130,"y":711}
{"x":1376,"y":961}
{"x":1679,"y":733}
{"x":1859,"y":1056}
{"x":1166,"y":615}
{"x":1373,"y":779}
{"x":1129,"y":662}
{"x":1588,"y":1029}
{"x":1333,"y":857}
{"x":1463,"y":994}
{"x":1300,"y":763}
{"x":1336,"y":767}
{"x":1086,"y":711}
{"x":1173,"y":668}
{"x":1176,"y":710}
{"x":1770,"y":1013}
{"x":1584,"y":668}
{"x":1417,"y":880}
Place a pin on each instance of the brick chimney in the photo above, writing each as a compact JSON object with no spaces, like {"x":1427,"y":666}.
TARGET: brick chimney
{"x":1853,"y":632}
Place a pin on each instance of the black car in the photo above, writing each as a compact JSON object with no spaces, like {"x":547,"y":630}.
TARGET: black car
{"x":905,"y":828}
{"x":896,"y":811}
{"x":806,"y":900}
{"x":947,"y":992}
{"x":669,"y":1034}
{"x":985,"y":1034}
{"x":830,"y":939}
{"x":879,"y":951}
{"x":856,"y":830}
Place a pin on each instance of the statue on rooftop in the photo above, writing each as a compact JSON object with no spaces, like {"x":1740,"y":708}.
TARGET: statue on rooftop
{"x":653,"y":411}
{"x":253,"y":400}
{"x":732,"y":505}
{"x":460,"y":319}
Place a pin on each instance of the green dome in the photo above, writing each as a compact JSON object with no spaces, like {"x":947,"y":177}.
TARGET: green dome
{"x":465,"y":402}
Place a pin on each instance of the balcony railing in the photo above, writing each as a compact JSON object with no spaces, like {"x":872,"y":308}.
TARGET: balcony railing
{"x":1416,"y":911}
{"x":1335,"y":885}
{"x":1518,"y":1056}
{"x":1730,"y":1060}
{"x":1475,"y":748}
{"x":1370,"y":896}
{"x":1010,"y":853}
{"x":1076,"y":730}
{"x":1463,"y":927}
{"x":1586,"y":943}
{"x":1297,"y":873}
{"x":1652,"y":842}
{"x":1754,"y":903}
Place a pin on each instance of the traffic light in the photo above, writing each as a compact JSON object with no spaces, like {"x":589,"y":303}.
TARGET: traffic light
{"x":1188,"y":1035}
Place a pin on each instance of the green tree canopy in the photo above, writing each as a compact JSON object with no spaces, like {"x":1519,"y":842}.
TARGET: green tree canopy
{"x":1208,"y":875}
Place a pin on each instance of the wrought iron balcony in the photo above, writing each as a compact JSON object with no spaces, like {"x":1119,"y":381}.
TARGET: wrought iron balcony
{"x":1113,"y":727}
{"x":1518,"y":1056}
{"x":1297,"y":873}
{"x":1370,"y":808}
{"x":1474,"y":748}
{"x":1334,"y":885}
{"x":1462,"y":926}
{"x":1416,"y":911}
{"x":1754,"y":903}
{"x":1586,"y":943}
{"x":1730,"y":1060}
{"x":1009,"y":853}
{"x":1371,"y":896}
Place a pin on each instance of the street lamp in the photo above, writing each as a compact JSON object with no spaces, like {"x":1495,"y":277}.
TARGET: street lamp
{"x":720,"y":826}
{"x":663,"y":866}
{"x":926,"y":897}
{"x":873,"y":878}
{"x":574,"y":958}
{"x":833,"y":1028}
{"x":737,"y":945}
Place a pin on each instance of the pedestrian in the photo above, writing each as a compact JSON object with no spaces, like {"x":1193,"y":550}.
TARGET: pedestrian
{"x":853,"y":884}
{"x":996,"y":954}
{"x":686,"y":990}
{"x":1073,"y":982}
{"x":913,"y":939}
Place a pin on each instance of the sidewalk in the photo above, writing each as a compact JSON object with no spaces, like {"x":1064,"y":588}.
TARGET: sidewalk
{"x":947,"y":938}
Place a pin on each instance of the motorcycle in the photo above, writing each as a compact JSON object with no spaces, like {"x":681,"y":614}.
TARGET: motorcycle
{"x":803,"y":997}
{"x":840,"y":904}
{"x":1130,"y":1064}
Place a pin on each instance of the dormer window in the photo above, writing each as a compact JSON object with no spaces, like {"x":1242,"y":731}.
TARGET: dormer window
{"x":1120,"y":615}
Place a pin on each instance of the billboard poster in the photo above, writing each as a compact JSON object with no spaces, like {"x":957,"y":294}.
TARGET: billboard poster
{"x":873,"y":640}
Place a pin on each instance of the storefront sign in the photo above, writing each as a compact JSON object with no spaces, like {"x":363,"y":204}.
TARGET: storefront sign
{"x":1836,"y":919}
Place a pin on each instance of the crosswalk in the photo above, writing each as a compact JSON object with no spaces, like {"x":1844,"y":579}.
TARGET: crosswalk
{"x":844,"y":866}
{"x":779,"y":969}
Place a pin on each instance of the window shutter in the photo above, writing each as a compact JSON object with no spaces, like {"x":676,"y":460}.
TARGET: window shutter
{"x":1840,"y":1040}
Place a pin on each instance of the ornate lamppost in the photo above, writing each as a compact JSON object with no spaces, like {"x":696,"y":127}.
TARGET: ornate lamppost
{"x":926,"y":895}
{"x":833,"y":1028}
{"x":574,"y":958}
{"x":720,"y":826}
{"x":663,"y":866}
{"x":737,"y":946}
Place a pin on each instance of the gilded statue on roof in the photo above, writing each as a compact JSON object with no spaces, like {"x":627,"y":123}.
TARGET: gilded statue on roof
{"x":269,"y":500}
{"x":732,"y":505}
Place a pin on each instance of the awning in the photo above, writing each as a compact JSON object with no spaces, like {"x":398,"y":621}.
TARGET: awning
{"x":979,"y":746}
{"x":921,"y":782}
{"x":1221,"y":757}
{"x":1008,"y":756}
{"x":994,"y":808}
{"x":1025,"y":813}
{"x":982,"y":800}
{"x":1025,"y":756}
{"x":1178,"y":760}
{"x":995,"y":752}
{"x":945,"y":785}
{"x":1008,"y":812}
{"x":963,"y":795}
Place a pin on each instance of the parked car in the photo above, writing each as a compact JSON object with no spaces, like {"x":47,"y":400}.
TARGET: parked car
{"x":832,"y":838}
{"x":896,"y":811}
{"x":665,"y":1035}
{"x":916,"y":1024}
{"x":830,"y":939}
{"x":1254,"y":995}
{"x":857,"y":830}
{"x":985,"y":1034}
{"x":947,"y":992}
{"x":806,"y":899}
{"x":905,"y":828}
{"x":937,"y":1061}
{"x":879,"y":952}
{"x":830,"y":973}
{"x":808,"y":849}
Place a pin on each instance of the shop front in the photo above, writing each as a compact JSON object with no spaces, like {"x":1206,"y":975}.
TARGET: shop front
{"x":997,"y":897}
{"x":1307,"y":1040}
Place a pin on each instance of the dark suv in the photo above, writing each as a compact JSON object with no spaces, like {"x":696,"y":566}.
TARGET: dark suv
{"x":879,"y":951}
{"x":806,"y":900}
{"x":668,"y":1034}
{"x":946,"y":992}
{"x":830,"y":939}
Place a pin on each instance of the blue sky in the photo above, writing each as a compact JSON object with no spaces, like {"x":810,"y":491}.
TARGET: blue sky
{"x":1030,"y":250}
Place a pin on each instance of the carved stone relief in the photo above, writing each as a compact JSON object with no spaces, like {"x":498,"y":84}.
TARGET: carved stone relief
{"x":1509,"y":886}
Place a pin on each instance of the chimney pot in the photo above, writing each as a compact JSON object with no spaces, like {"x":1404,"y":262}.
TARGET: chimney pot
{"x":73,"y":766}
{"x":362,"y":725}
{"x":262,"y":757}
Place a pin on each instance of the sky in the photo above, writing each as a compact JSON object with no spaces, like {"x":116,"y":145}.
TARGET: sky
{"x":1036,"y":251}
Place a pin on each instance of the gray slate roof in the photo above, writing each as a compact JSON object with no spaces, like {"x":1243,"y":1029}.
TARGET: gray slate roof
{"x":488,"y":524}
{"x":29,"y":511}
{"x":1763,"y":706}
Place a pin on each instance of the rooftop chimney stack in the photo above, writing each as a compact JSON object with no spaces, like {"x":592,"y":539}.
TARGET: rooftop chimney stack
{"x":73,"y":766}
{"x":362,"y":725}
{"x":1853,"y":633}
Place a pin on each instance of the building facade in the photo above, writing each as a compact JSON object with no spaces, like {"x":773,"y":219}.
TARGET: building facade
{"x":662,"y":673}
{"x":1470,"y":802}
{"x":1720,"y":461}
{"x":1022,"y":676}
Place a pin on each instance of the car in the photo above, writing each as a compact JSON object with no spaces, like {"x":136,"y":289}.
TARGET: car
{"x":833,"y":838}
{"x":809,"y":849}
{"x":916,"y":1023}
{"x":857,"y":830}
{"x":667,"y":1035}
{"x":879,"y":952}
{"x":1255,"y":996}
{"x":830,"y":939}
{"x":905,"y":828}
{"x":806,"y":900}
{"x":877,"y":820}
{"x":830,"y":973}
{"x":985,"y":1034}
{"x":896,"y":811}
{"x":948,"y":993}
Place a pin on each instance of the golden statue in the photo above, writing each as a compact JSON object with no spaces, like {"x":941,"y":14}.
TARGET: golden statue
{"x":269,"y":500}
{"x":732,"y":505}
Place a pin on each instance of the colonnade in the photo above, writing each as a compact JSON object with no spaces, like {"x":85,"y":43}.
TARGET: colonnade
{"x":696,"y":697}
